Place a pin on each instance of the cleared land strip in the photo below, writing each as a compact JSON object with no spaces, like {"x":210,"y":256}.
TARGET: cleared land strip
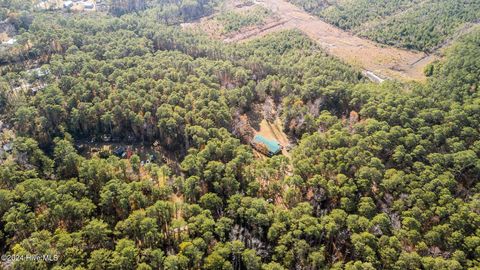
{"x":254,"y":32}
{"x":382,"y":61}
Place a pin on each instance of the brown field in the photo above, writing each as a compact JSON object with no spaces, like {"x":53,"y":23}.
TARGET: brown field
{"x":379,"y":60}
{"x":215,"y":29}
{"x":384,"y":61}
{"x":3,"y":37}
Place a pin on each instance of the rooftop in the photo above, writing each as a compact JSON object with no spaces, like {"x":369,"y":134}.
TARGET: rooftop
{"x":272,"y":145}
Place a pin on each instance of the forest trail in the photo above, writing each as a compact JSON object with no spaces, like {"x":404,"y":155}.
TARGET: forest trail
{"x":380,"y":60}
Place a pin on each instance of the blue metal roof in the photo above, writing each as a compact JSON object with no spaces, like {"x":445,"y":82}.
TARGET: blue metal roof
{"x":272,"y":145}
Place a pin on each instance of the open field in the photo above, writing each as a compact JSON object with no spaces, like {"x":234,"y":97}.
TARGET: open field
{"x":246,"y":18}
{"x":384,"y":61}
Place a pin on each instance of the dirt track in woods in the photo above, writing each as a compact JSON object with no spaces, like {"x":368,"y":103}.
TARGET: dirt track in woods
{"x":378,"y":61}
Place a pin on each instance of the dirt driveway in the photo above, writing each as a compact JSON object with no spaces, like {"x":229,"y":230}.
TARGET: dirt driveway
{"x":380,"y":60}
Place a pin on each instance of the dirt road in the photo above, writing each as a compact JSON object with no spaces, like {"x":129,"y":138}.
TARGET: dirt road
{"x":379,"y":60}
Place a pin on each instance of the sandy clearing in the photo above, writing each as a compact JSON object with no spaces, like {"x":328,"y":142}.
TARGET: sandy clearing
{"x":384,"y":61}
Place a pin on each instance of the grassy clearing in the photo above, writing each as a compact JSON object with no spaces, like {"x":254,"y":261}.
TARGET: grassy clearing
{"x":234,"y":21}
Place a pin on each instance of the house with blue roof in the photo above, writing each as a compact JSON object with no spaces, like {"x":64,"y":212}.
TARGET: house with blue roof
{"x":266,"y":146}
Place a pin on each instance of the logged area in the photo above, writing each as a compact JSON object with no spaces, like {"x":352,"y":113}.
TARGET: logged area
{"x":423,"y":25}
{"x":384,"y":61}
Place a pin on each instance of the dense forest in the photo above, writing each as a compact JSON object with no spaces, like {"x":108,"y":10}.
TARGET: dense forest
{"x":380,"y":176}
{"x":413,"y":24}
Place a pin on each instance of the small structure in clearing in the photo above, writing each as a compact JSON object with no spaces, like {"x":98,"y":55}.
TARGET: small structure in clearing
{"x":8,"y":147}
{"x":120,"y":152}
{"x":88,"y":5}
{"x":266,"y":146}
{"x":68,"y":4}
{"x":10,"y":41}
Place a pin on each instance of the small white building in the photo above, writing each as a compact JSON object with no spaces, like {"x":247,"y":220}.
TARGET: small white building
{"x":88,"y":5}
{"x":10,"y":41}
{"x":67,"y":4}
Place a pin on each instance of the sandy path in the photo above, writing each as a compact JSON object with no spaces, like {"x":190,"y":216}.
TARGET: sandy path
{"x":384,"y":61}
